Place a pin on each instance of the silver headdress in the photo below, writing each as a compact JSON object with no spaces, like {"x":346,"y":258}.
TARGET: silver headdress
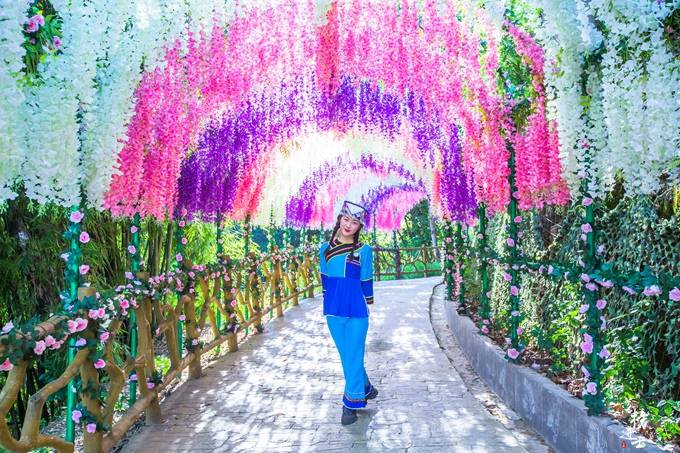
{"x":354,"y":211}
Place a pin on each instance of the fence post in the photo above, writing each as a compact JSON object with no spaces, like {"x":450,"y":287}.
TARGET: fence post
{"x":512,"y":275}
{"x":483,"y":267}
{"x":397,"y":256}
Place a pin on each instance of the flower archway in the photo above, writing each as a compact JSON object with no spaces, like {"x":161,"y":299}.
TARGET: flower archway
{"x":209,"y":125}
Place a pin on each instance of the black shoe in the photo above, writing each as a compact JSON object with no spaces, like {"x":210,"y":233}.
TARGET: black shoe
{"x":372,"y":394}
{"x":349,"y":416}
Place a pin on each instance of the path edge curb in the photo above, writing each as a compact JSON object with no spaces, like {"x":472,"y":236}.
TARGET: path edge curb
{"x":555,"y":414}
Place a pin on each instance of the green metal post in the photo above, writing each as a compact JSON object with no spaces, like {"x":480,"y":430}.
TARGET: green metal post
{"x":594,"y":402}
{"x":460,"y":260}
{"x":134,"y":267}
{"x":448,"y":262}
{"x":73,"y":282}
{"x":483,"y":266}
{"x":220,"y":250}
{"x":179,"y":250}
{"x":375,"y":233}
{"x":512,"y":245}
{"x":246,"y":235}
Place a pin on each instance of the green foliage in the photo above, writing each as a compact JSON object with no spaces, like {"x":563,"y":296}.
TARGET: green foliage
{"x":40,"y":44}
{"x":637,"y":235}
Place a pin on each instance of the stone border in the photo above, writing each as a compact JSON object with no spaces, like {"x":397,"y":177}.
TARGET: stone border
{"x":554,"y":413}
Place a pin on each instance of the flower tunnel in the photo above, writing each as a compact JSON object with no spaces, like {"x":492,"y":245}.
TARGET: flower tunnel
{"x":255,"y":122}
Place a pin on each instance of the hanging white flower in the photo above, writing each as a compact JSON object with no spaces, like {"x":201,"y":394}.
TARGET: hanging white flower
{"x":12,"y":19}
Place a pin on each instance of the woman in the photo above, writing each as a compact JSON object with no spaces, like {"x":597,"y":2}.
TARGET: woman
{"x":347,"y":281}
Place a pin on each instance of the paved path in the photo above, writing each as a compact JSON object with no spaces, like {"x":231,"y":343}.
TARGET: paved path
{"x":281,"y":391}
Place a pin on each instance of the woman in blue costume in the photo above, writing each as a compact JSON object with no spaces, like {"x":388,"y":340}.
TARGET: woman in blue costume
{"x":347,"y":281}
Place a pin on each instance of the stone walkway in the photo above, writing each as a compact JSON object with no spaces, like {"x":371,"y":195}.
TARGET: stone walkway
{"x":281,"y":391}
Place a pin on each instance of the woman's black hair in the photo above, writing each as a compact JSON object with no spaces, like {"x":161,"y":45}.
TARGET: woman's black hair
{"x":356,"y":235}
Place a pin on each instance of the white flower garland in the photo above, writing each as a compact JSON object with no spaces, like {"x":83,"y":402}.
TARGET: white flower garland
{"x":112,"y":109}
{"x":12,"y":19}
{"x":632,"y":124}
{"x":52,"y":170}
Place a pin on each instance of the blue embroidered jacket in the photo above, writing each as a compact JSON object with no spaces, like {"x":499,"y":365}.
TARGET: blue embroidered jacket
{"x":347,"y":281}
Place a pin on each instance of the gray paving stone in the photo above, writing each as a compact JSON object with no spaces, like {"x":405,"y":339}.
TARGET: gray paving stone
{"x":281,"y":391}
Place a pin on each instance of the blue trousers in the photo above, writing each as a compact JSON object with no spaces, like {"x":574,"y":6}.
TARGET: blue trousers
{"x":349,"y":335}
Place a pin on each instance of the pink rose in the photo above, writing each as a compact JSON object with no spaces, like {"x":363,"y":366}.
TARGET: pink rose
{"x":56,"y":41}
{"x":39,"y":347}
{"x":129,"y":275}
{"x":84,"y":269}
{"x":587,"y":201}
{"x":514,"y":290}
{"x":133,"y":229}
{"x":507,"y":277}
{"x":586,"y":228}
{"x":6,"y":365}
{"x":584,"y":308}
{"x":150,"y":385}
{"x":513,"y":353}
{"x":604,"y":353}
{"x":518,"y":219}
{"x":99,"y":364}
{"x":49,"y":340}
{"x":76,"y":415}
{"x":510,"y":242}
{"x":84,"y":237}
{"x":652,"y":291}
{"x":76,"y":216}
{"x":179,"y":257}
{"x":674,"y":295}
{"x":81,"y":342}
{"x":104,"y":337}
{"x":7,"y":328}
{"x":91,"y":428}
{"x":131,"y":249}
{"x":587,"y":347}
{"x":182,"y":223}
{"x":591,"y":286}
{"x":133,"y":377}
{"x":182,"y":317}
{"x":485,"y":330}
{"x":591,"y":388}
{"x":600,"y":304}
{"x":184,"y":241}
{"x":520,"y":331}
